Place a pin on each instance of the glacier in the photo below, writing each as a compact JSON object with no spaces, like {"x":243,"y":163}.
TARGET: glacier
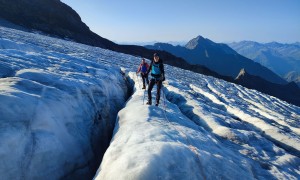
{"x":62,"y":102}
{"x":205,"y":128}
{"x":58,"y":109}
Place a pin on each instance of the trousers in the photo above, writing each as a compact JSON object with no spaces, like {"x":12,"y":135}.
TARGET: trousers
{"x":151,"y":85}
{"x":144,"y":78}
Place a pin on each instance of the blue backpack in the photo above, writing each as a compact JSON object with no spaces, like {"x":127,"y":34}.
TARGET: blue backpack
{"x":155,"y":69}
{"x":144,"y":68}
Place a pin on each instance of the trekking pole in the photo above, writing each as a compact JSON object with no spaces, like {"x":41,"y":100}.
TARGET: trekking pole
{"x":164,"y":96}
{"x":144,"y":96}
{"x":137,"y":78}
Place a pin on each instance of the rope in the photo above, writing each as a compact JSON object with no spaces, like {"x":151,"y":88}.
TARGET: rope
{"x":144,"y":96}
{"x":191,"y":147}
{"x":165,"y":107}
{"x":138,"y":80}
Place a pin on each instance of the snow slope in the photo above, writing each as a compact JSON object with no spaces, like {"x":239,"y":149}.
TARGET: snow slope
{"x":205,"y":128}
{"x":210,"y":130}
{"x":58,"y":108}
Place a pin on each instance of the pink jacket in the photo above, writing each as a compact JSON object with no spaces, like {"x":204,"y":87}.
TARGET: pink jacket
{"x":140,"y":67}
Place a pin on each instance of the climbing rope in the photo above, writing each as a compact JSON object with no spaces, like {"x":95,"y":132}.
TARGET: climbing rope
{"x":190,"y":146}
{"x":144,"y":95}
{"x":165,"y":106}
{"x":137,"y":79}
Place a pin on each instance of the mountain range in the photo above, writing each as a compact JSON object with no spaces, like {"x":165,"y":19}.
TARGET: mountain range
{"x":217,"y":57}
{"x":224,"y":60}
{"x":51,"y":17}
{"x":283,"y":59}
{"x":55,"y":18}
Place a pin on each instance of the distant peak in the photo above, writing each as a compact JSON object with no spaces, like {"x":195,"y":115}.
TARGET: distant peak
{"x":247,"y":41}
{"x":162,"y":43}
{"x":241,"y":74}
{"x":200,"y":37}
{"x":242,"y":71}
{"x":192,"y":44}
{"x":274,"y":43}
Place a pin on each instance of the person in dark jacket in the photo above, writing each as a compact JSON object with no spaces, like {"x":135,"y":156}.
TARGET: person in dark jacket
{"x":143,"y":68}
{"x":157,"y":77}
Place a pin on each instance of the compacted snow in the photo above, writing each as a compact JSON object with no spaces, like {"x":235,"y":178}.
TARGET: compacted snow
{"x":200,"y":133}
{"x":59,"y":101}
{"x":58,"y":108}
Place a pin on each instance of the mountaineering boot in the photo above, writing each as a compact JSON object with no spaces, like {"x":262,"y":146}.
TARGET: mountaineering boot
{"x":157,"y":103}
{"x":149,"y":102}
{"x":144,"y":87}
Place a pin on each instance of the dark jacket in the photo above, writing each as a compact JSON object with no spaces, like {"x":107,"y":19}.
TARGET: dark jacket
{"x":161,"y":67}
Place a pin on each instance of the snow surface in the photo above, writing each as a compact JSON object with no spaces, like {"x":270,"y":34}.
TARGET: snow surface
{"x":58,"y":109}
{"x":208,"y":131}
{"x":204,"y":128}
{"x":211,"y":129}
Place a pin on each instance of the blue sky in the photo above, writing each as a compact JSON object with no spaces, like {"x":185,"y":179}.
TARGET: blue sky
{"x":179,"y":20}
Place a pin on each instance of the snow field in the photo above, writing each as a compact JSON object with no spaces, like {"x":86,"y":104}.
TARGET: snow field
{"x":59,"y":99}
{"x":222,"y":143}
{"x":57,"y":109}
{"x":146,"y":145}
{"x":230,"y":119}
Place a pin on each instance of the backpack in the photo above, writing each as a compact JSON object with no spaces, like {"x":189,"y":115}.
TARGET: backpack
{"x":144,"y":68}
{"x":155,"y":69}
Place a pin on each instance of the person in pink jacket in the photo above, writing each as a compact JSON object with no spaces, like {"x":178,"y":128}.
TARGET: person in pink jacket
{"x":143,"y":68}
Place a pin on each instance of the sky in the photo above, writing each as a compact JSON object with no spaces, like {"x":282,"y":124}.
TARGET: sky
{"x":180,"y":21}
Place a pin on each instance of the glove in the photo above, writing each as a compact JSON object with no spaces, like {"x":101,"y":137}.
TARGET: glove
{"x":163,"y":77}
